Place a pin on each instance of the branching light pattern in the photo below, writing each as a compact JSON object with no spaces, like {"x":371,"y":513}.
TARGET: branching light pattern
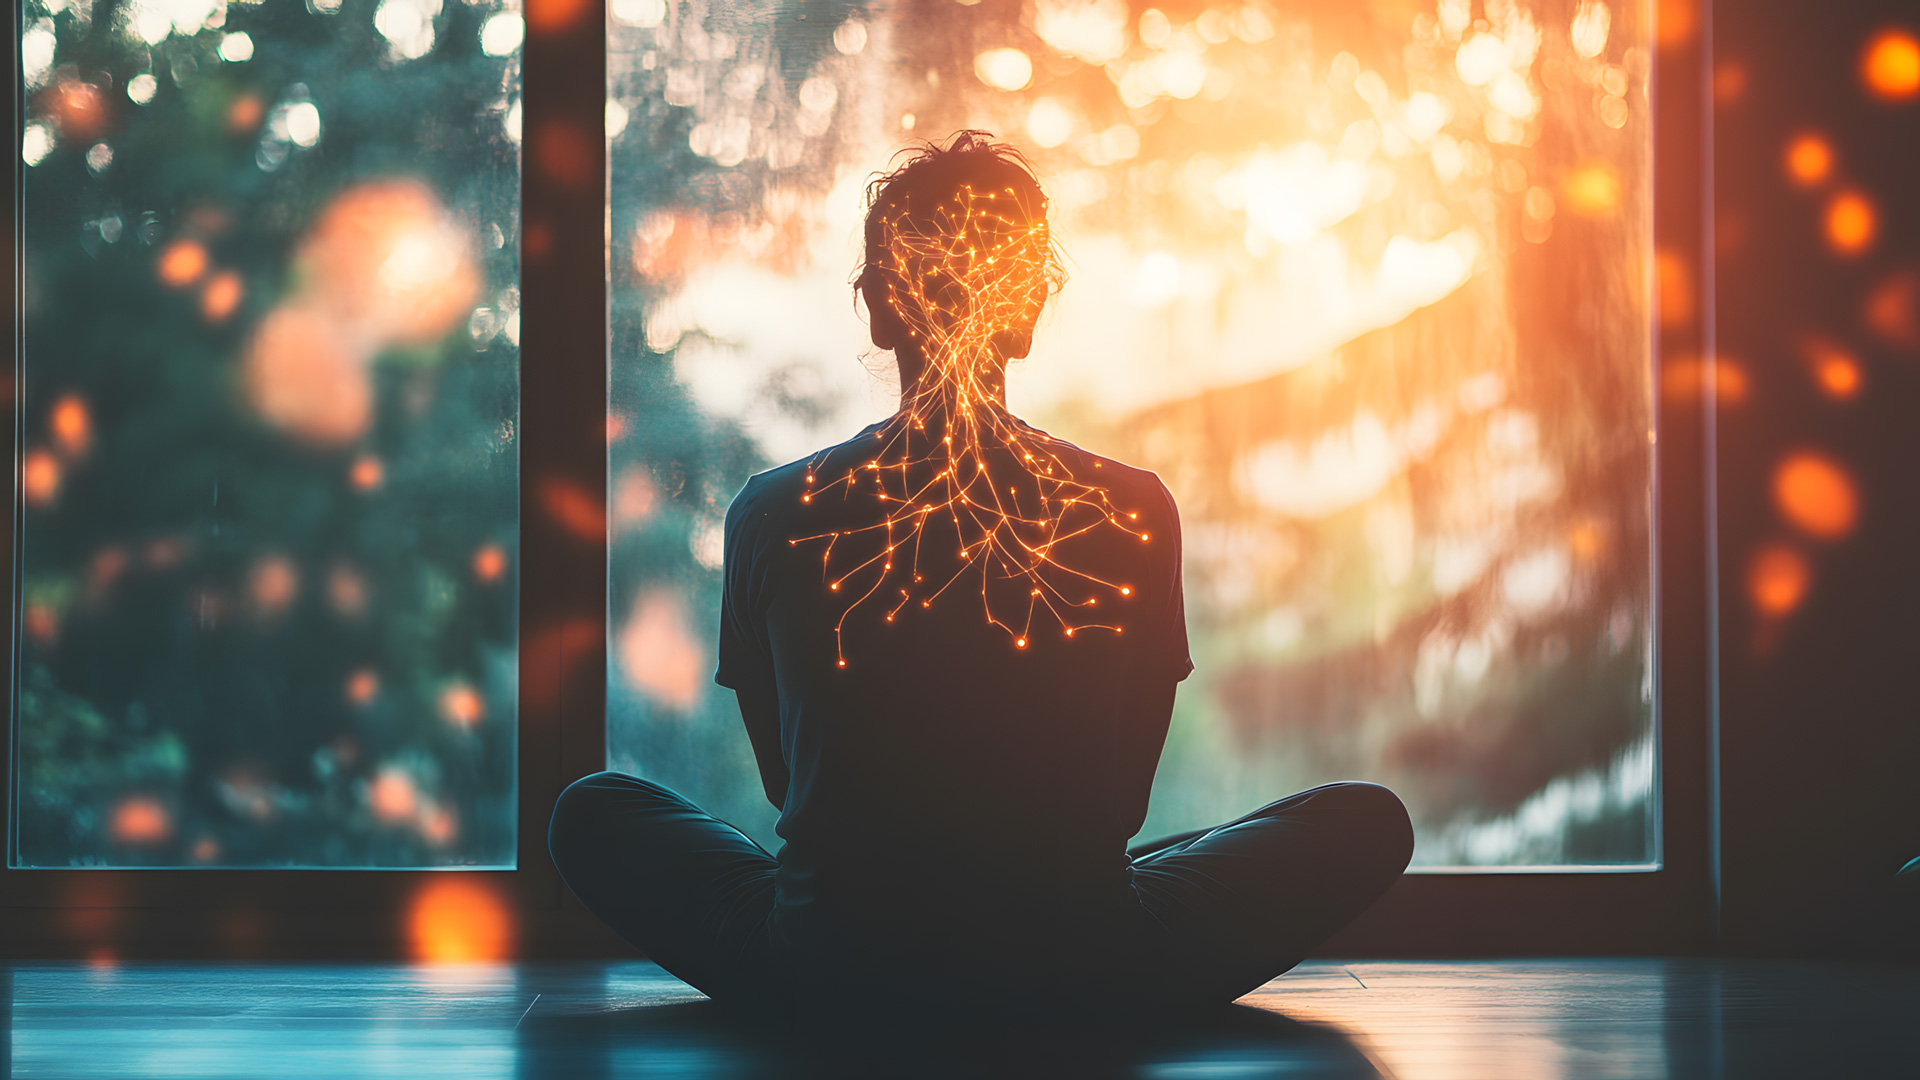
{"x":953,"y":466}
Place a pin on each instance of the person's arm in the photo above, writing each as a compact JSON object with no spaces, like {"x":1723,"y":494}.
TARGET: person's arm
{"x":746,"y":664}
{"x":1154,"y":717}
{"x":760,"y":709}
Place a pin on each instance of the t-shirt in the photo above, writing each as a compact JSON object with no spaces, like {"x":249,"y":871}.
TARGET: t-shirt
{"x":925,"y":743}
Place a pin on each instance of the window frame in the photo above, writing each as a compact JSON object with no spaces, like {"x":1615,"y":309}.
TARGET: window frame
{"x":100,"y":913}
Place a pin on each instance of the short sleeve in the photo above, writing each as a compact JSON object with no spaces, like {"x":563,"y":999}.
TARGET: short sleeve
{"x":746,"y":660}
{"x":1171,"y":653}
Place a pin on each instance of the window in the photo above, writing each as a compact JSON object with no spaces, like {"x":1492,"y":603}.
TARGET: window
{"x":1368,"y":289}
{"x":269,"y":394}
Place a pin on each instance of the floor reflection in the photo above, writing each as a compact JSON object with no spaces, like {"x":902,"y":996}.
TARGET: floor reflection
{"x":697,"y":1039}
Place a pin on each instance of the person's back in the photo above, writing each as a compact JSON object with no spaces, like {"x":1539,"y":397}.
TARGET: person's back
{"x":944,"y":716}
{"x":955,"y":641}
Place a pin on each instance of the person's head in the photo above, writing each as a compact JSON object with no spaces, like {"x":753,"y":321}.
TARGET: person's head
{"x":958,"y":260}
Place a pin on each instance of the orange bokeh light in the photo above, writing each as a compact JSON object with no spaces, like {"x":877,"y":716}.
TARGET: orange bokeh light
{"x":39,"y":477}
{"x":1809,"y":160}
{"x":244,"y":114}
{"x":71,"y":425}
{"x":462,"y":705}
{"x":367,"y":473}
{"x":457,"y":920}
{"x":1778,"y":579}
{"x":1891,"y":66}
{"x":1729,"y":82}
{"x":1892,"y":309}
{"x":1850,"y":223}
{"x":1816,"y":494}
{"x":1686,"y":378}
{"x":1835,"y":371}
{"x":489,"y":563}
{"x":303,"y":378}
{"x":221,"y":296}
{"x":139,"y":821}
{"x":1673,"y":280}
{"x":273,"y":584}
{"x":554,"y":16}
{"x":1839,"y":377}
{"x":392,"y":796}
{"x":1676,"y":21}
{"x":363,"y":686}
{"x":575,"y":510}
{"x":1593,"y":190}
{"x":41,"y":622}
{"x":437,"y":826}
{"x":181,"y":263}
{"x":347,"y":592}
{"x":566,"y":153}
{"x":387,"y":260}
{"x":79,"y":108}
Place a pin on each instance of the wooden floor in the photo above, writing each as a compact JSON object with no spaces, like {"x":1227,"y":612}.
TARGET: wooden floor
{"x":1476,"y":1020}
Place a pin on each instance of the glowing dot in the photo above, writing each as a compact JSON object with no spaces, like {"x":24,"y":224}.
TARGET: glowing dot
{"x":1809,"y":160}
{"x":1891,"y":66}
{"x":1144,"y":537}
{"x":1777,"y":580}
{"x":181,"y":263}
{"x":1850,"y":223}
{"x":806,"y":498}
{"x":489,"y":562}
{"x":367,"y":473}
{"x":843,"y":663}
{"x":1839,"y":378}
{"x":1069,"y":631}
{"x":1020,"y":643}
{"x":221,"y":296}
{"x":1126,"y":590}
{"x":835,"y":586}
{"x":362,"y":686}
{"x":1816,"y":494}
{"x":71,"y":425}
{"x":140,"y":821}
{"x":461,"y":705}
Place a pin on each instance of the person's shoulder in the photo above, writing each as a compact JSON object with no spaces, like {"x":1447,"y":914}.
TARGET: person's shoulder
{"x":780,"y":487}
{"x":1121,"y":479}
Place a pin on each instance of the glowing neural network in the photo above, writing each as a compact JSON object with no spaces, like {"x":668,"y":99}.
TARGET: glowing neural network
{"x":962,"y":279}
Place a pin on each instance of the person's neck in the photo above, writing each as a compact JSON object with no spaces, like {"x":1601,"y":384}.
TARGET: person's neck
{"x":918,"y":396}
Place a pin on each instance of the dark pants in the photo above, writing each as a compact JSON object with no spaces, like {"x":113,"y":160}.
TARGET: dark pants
{"x":1220,"y":911}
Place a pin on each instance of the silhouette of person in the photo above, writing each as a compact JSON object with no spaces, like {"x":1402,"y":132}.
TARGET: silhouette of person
{"x":955,"y":641}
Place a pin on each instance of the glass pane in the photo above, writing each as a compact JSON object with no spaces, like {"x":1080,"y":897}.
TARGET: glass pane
{"x":269,"y":468}
{"x":1367,"y":285}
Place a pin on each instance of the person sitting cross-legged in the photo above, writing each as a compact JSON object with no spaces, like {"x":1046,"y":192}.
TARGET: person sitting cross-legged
{"x":955,"y":641}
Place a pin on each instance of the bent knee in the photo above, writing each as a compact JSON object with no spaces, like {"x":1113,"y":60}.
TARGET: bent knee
{"x":586,"y":809}
{"x":1388,"y":827}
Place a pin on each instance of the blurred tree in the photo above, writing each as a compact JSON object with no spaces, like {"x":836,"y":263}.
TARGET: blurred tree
{"x":269,"y":409}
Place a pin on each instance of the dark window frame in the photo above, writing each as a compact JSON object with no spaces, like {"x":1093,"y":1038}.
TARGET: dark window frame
{"x":563,"y":619}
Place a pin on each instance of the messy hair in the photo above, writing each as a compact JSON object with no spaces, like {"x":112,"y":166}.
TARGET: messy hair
{"x":932,"y":176}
